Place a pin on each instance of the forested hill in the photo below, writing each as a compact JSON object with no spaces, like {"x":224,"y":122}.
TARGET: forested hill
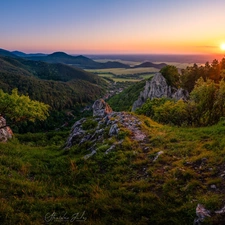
{"x":61,"y":86}
{"x":42,"y":70}
{"x":79,"y":61}
{"x":4,"y":52}
{"x":150,"y":64}
{"x":61,"y":57}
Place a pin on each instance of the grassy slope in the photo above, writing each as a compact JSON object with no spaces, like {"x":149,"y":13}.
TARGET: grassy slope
{"x":124,"y":187}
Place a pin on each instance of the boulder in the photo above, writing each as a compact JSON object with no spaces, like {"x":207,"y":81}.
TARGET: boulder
{"x":101,"y":108}
{"x":5,"y":131}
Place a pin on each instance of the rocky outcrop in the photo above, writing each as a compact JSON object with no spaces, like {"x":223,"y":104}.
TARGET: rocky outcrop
{"x":101,"y":108}
{"x":180,"y":94}
{"x":113,"y":130}
{"x":157,"y":88}
{"x":5,"y":131}
{"x":202,"y":213}
{"x":105,"y":128}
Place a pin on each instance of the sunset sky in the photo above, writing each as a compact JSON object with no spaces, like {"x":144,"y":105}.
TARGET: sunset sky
{"x":113,"y":26}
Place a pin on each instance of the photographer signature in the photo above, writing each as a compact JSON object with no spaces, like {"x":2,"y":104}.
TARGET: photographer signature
{"x":54,"y":217}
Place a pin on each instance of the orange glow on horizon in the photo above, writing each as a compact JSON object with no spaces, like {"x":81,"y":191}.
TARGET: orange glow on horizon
{"x":127,"y":46}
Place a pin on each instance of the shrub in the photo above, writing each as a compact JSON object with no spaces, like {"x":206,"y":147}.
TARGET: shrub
{"x":89,"y":124}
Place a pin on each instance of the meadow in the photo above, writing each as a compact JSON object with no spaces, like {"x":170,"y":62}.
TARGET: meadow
{"x":133,"y":74}
{"x":42,"y":183}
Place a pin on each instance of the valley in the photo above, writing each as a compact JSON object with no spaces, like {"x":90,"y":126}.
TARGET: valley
{"x":93,"y":163}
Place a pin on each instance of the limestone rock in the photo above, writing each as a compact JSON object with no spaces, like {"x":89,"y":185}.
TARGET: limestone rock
{"x":101,"y":108}
{"x":157,"y":156}
{"x":220,"y":211}
{"x":110,"y":149}
{"x":113,"y":130}
{"x":5,"y":131}
{"x":93,"y":152}
{"x":201,"y":213}
{"x":157,"y":88}
{"x":77,"y":133}
{"x":108,"y":126}
{"x":180,"y":94}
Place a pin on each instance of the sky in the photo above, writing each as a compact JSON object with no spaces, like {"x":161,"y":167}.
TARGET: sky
{"x":113,"y":26}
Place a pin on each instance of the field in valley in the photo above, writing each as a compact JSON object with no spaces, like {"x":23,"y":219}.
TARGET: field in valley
{"x":133,"y":74}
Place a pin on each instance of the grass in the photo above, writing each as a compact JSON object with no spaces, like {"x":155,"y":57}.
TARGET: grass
{"x":38,"y":177}
{"x":146,"y":76}
{"x":125,"y":79}
{"x":106,"y":75}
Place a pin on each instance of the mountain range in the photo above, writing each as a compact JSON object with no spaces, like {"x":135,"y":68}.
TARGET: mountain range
{"x":77,"y":61}
{"x":61,"y":57}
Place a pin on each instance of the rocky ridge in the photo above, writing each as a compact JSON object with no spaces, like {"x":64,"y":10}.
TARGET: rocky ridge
{"x":104,"y":125}
{"x":157,"y":88}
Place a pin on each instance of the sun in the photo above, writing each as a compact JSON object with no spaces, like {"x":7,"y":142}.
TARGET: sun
{"x":222,"y":46}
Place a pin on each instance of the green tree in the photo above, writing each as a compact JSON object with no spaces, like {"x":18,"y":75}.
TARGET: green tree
{"x":215,"y":71}
{"x":171,"y":75}
{"x":21,"y":108}
{"x":204,"y":95}
{"x":219,"y":104}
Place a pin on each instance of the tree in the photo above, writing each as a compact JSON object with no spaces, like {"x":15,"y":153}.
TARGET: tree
{"x":171,"y":75}
{"x":172,"y":112}
{"x":215,"y":71}
{"x":21,"y":108}
{"x":205,"y":95}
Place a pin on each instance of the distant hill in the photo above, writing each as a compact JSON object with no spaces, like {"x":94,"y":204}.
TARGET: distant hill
{"x":24,"y":55}
{"x":78,"y":61}
{"x":47,"y":71}
{"x":58,"y":85}
{"x":61,"y":57}
{"x":4,"y":52}
{"x":150,"y":64}
{"x":115,"y":64}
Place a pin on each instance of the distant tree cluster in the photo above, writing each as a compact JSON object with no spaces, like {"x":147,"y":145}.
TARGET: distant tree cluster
{"x":214,"y":71}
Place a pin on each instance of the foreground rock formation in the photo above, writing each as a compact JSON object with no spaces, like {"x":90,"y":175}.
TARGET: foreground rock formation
{"x":202,"y":213}
{"x":5,"y":131}
{"x":104,"y":125}
{"x":101,"y":108}
{"x":157,"y":88}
